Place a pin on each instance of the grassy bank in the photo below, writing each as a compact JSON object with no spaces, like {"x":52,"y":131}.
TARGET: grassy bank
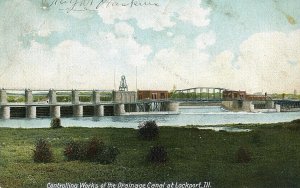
{"x":194,"y":155}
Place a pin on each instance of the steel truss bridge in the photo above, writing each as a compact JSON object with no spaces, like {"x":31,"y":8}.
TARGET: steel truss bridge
{"x":204,"y":94}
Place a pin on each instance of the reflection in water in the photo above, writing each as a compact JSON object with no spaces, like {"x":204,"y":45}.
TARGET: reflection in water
{"x":188,"y":116}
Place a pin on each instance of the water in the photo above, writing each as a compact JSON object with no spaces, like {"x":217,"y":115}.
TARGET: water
{"x":188,"y":116}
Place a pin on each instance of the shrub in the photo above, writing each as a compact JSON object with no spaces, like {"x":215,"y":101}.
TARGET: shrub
{"x":243,"y":155}
{"x":73,"y":151}
{"x":148,"y":130}
{"x":294,"y":125}
{"x":42,"y":152}
{"x":93,"y":149}
{"x":55,"y":123}
{"x":108,"y":155}
{"x":296,"y":121}
{"x":157,"y":154}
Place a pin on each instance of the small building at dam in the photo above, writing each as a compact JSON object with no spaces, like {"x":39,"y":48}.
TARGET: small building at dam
{"x":241,"y":101}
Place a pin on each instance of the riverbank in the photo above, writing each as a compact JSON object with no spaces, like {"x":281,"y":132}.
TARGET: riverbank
{"x":194,"y":155}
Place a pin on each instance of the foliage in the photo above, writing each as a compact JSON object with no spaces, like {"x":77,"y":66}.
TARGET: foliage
{"x":108,"y":155}
{"x":55,"y":123}
{"x":39,"y":98}
{"x":284,"y":96}
{"x":94,"y":150}
{"x":293,"y":125}
{"x":296,"y":121}
{"x":148,"y":130}
{"x":42,"y":152}
{"x":85,"y":98}
{"x":243,"y":155}
{"x":73,"y":151}
{"x":157,"y":154}
{"x":63,"y":98}
{"x":106,"y":96}
{"x":15,"y":99}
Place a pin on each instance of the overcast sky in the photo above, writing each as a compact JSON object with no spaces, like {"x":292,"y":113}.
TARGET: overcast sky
{"x":250,"y":45}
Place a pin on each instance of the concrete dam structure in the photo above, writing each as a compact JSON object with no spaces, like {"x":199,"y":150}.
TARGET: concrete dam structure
{"x":77,"y":103}
{"x":251,"y":106}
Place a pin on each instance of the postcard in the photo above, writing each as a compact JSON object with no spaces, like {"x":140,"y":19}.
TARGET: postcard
{"x":149,"y":93}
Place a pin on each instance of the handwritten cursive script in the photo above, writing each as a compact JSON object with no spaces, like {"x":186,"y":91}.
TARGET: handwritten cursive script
{"x":94,"y":5}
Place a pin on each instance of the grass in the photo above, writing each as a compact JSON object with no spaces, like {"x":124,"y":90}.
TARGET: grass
{"x":194,"y":155}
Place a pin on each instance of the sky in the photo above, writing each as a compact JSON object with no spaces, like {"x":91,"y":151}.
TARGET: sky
{"x":250,"y":45}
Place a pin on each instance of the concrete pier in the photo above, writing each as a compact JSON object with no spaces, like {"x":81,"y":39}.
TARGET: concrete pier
{"x":5,"y":112}
{"x":55,"y":111}
{"x":252,"y":108}
{"x":28,"y":96}
{"x":77,"y":110}
{"x":75,"y":97}
{"x":96,"y":97}
{"x":31,"y":112}
{"x":278,"y":108}
{"x":270,"y":104}
{"x":52,"y":96}
{"x":173,"y":106}
{"x":249,"y":106}
{"x":230,"y":105}
{"x":124,"y":96}
{"x":119,"y":109}
{"x":3,"y":97}
{"x":99,"y":111}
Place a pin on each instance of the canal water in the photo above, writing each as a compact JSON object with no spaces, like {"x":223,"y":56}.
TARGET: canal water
{"x":205,"y":116}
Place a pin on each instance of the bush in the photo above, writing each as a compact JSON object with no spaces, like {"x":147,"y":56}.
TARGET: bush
{"x":73,"y":151}
{"x":294,"y":125}
{"x":296,"y":121}
{"x":55,"y":123}
{"x":42,"y":152}
{"x":157,"y":154}
{"x":94,"y":150}
{"x":108,"y":155}
{"x":243,"y":155}
{"x":148,"y":130}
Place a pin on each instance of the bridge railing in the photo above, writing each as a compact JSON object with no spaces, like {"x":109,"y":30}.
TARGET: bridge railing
{"x":198,"y":94}
{"x":196,"y":100}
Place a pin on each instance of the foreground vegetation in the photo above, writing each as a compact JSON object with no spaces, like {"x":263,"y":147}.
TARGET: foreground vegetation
{"x":193,"y":155}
